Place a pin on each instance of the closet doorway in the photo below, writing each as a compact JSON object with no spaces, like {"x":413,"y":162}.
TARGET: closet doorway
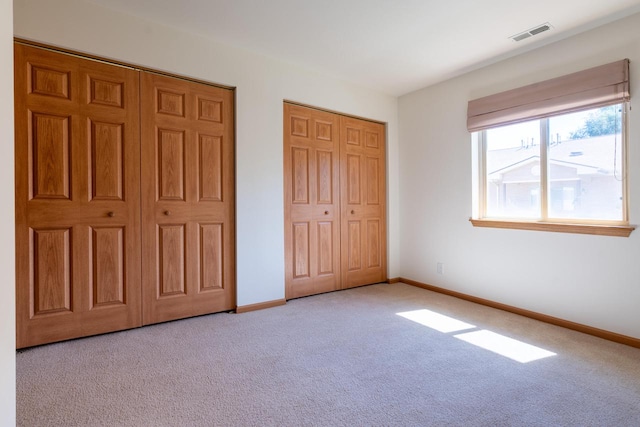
{"x":125,"y":203}
{"x":335,"y":201}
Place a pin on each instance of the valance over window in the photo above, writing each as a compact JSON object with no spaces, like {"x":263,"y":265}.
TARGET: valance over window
{"x":596,"y":87}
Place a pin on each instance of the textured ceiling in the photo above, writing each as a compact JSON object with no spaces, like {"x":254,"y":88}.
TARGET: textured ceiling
{"x":393,"y":46}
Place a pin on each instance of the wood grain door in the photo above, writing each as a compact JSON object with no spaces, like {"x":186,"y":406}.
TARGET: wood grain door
{"x":188,"y":259}
{"x":77,"y":159}
{"x":363,"y":202}
{"x":311,"y":187}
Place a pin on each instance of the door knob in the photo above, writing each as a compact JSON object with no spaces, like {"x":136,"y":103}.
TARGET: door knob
{"x":326,"y":212}
{"x":352,"y":212}
{"x":111,"y":214}
{"x":167,"y":213}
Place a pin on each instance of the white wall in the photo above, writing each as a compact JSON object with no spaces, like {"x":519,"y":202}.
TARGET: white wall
{"x":7,"y":227}
{"x":592,"y":280}
{"x":262,"y":84}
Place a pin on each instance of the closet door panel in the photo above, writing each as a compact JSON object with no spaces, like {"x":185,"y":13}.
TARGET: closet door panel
{"x":106,"y":161}
{"x":301,"y":255}
{"x":312,"y":216}
{"x":374,"y":248}
{"x":363,"y":207}
{"x":188,"y":199}
{"x":108,"y":284}
{"x":300,"y":175}
{"x":170,"y":168}
{"x":77,"y":197}
{"x":50,"y":146}
{"x":354,"y":245}
{"x":353,"y":178}
{"x":212,"y":257}
{"x":326,"y":247}
{"x":211,"y":177}
{"x":51,"y":286}
{"x":172,"y":259}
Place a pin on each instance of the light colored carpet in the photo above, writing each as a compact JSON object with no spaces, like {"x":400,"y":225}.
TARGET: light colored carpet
{"x":339,"y":359}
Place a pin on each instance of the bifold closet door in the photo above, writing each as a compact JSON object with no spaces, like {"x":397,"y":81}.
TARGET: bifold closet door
{"x":312,"y":214}
{"x":335,"y":209}
{"x":363,"y":202}
{"x":77,"y":158}
{"x":188,"y":257}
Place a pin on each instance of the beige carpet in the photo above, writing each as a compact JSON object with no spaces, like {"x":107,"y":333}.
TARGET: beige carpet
{"x":340,"y":359}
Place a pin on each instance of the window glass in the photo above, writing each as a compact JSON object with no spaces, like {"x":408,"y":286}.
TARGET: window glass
{"x":585,"y":165}
{"x":513,"y":171}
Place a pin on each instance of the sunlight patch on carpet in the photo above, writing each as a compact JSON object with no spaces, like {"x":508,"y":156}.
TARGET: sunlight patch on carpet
{"x":436,"y":321}
{"x":499,"y":344}
{"x":505,"y":346}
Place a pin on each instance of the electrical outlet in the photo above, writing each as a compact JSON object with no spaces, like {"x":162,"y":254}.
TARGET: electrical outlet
{"x":440,"y":268}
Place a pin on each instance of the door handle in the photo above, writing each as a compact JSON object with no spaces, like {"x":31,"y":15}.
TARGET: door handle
{"x":352,"y":211}
{"x":326,"y":212}
{"x":167,"y":213}
{"x":111,"y":214}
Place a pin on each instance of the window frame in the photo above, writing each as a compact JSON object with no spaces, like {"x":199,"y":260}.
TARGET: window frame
{"x":544,"y":223}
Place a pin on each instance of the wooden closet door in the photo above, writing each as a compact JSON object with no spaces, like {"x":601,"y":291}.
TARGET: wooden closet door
{"x":77,"y":159}
{"x":363,"y":202}
{"x":312,"y":215}
{"x":188,"y":258}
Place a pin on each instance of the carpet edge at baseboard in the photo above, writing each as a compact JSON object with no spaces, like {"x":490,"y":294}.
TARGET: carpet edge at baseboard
{"x":600,"y":333}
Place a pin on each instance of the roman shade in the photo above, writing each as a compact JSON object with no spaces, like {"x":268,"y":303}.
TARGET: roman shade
{"x":596,"y":87}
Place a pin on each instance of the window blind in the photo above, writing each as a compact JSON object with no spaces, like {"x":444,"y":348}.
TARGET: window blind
{"x":596,"y":87}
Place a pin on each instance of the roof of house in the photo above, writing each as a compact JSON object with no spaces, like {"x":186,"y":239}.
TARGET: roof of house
{"x":600,"y":154}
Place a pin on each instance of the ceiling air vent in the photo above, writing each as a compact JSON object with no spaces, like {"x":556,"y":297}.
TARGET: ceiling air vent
{"x":532,"y":32}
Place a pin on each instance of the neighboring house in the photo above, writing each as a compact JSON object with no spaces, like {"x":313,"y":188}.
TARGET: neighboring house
{"x":585,"y":178}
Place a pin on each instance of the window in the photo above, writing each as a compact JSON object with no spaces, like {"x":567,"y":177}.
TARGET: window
{"x":566,"y":167}
{"x":551,"y":156}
